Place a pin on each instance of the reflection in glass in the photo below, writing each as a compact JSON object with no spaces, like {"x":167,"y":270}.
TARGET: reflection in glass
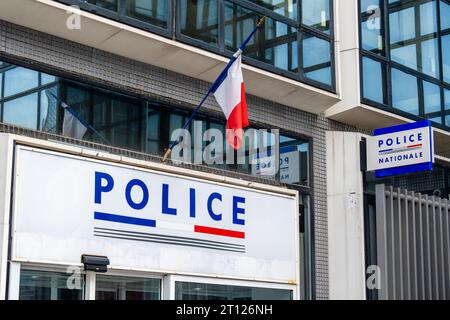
{"x":373,"y":80}
{"x":432,"y":101}
{"x":127,"y":288}
{"x":317,"y":59}
{"x":153,"y":12}
{"x":316,"y":14}
{"x":22,"y":111}
{"x":446,"y":58}
{"x":371,"y":31}
{"x":20,"y":79}
{"x":199,"y":20}
{"x":206,"y":291}
{"x":107,"y":4}
{"x":402,"y":25}
{"x":445,"y":15}
{"x":428,"y":18}
{"x":119,"y":120}
{"x":404,"y":92}
{"x":277,"y":46}
{"x":48,"y":118}
{"x":41,"y":285}
{"x":287,"y":8}
{"x":430,"y":58}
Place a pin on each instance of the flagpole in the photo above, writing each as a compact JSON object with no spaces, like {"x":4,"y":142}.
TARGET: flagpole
{"x":214,"y":86}
{"x":76,"y":115}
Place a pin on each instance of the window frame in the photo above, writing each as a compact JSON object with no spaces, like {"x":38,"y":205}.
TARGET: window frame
{"x":121,"y":16}
{"x":388,"y":65}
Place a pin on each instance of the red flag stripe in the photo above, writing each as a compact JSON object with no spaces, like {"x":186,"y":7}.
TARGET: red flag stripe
{"x":219,"y":232}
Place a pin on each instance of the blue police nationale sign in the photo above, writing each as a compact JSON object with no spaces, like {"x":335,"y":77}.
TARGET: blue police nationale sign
{"x":401,"y":149}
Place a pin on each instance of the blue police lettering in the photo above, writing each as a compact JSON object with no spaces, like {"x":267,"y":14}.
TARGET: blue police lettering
{"x":405,"y":139}
{"x":212,"y":206}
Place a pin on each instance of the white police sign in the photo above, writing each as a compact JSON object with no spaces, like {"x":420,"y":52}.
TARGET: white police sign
{"x":401,"y":149}
{"x":66,"y":206}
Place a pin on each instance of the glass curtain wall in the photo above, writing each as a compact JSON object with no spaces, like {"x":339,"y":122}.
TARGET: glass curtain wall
{"x":296,"y":40}
{"x":404,"y":57}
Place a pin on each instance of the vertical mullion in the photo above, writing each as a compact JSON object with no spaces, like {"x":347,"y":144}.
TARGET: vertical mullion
{"x":221,"y":25}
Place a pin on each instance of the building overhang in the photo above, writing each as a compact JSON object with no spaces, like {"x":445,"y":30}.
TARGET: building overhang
{"x":105,"y":34}
{"x":367,"y":117}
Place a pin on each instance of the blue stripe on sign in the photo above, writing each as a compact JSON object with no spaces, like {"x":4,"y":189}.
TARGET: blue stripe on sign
{"x":124,"y":219}
{"x":402,"y":127}
{"x":403,"y":170}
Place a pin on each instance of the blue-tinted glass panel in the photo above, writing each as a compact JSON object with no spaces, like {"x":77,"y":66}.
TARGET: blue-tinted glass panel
{"x":445,"y":15}
{"x":316,"y":14}
{"x":287,"y":8}
{"x":48,"y":117}
{"x":317,"y":59}
{"x":373,"y":80}
{"x":405,"y":96}
{"x":402,"y":25}
{"x":428,"y":18}
{"x":446,"y":58}
{"x":430,"y":58}
{"x":43,"y":285}
{"x":199,"y":20}
{"x":277,"y":47}
{"x":436,"y":119}
{"x":19,"y":80}
{"x":107,"y":4}
{"x":446,"y":99}
{"x":206,"y":291}
{"x":371,"y":32}
{"x":405,"y":55}
{"x":22,"y":111}
{"x":153,"y":12}
{"x":46,"y":78}
{"x":432,"y":97}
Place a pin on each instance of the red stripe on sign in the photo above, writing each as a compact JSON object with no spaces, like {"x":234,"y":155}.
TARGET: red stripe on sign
{"x":415,"y":146}
{"x":219,"y":232}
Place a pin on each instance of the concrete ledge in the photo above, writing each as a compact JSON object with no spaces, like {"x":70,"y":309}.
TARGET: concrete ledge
{"x":50,"y":17}
{"x":367,"y":117}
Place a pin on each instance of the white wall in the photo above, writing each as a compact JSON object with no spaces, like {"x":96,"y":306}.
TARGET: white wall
{"x":345,"y":216}
{"x":5,"y":192}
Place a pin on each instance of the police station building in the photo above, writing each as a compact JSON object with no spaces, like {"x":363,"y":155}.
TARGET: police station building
{"x":346,"y":196}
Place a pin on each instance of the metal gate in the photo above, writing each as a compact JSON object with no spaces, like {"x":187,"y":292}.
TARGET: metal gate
{"x":413,"y":244}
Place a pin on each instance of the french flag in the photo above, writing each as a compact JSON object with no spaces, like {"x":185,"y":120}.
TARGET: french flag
{"x":230,"y":95}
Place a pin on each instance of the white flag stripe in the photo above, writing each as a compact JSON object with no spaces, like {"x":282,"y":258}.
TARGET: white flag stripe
{"x":229,"y":94}
{"x":72,"y":127}
{"x":175,"y":226}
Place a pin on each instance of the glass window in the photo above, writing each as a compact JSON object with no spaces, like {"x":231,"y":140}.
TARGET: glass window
{"x":40,"y":285}
{"x":153,"y":12}
{"x":22,"y":112}
{"x":445,"y":15}
{"x":287,"y":8}
{"x":153,"y":131}
{"x":48,"y":117}
{"x":20,"y":79}
{"x":446,"y":99}
{"x":432,"y":101}
{"x":404,"y":92}
{"x":316,"y":14}
{"x":46,"y":78}
{"x":206,"y":291}
{"x":446,"y":58}
{"x":116,"y":119}
{"x":430,"y":58}
{"x":373,"y":80}
{"x":107,"y":4}
{"x":127,"y":288}
{"x":402,"y":25}
{"x":371,"y":31}
{"x":199,"y":20}
{"x":277,"y":46}
{"x":317,"y":59}
{"x":428,"y":18}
